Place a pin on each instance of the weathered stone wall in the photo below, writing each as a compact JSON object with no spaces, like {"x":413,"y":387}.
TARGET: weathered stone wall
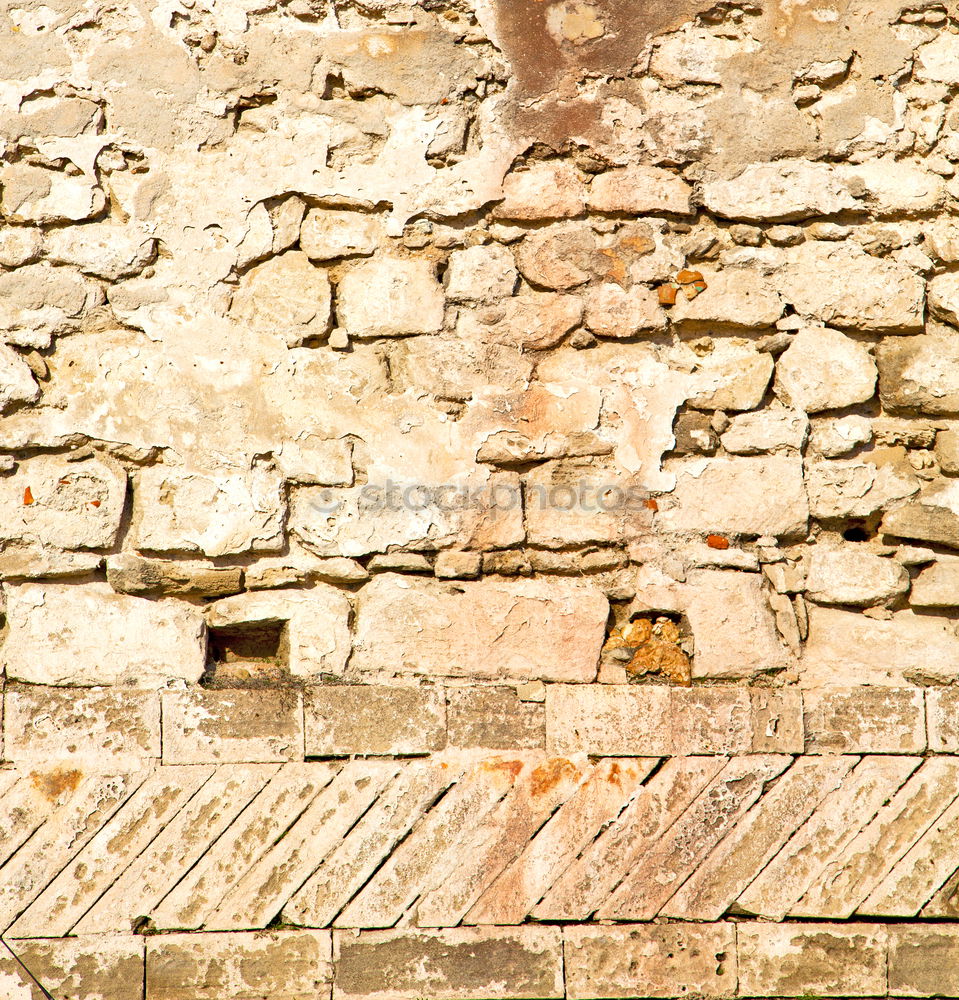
{"x":478,"y":499}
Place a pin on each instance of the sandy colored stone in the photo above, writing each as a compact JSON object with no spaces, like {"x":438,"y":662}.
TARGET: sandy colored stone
{"x":933,"y":516}
{"x":373,"y":719}
{"x":639,"y":189}
{"x":612,"y":311}
{"x":390,"y":297}
{"x":557,"y":257}
{"x":923,"y":960}
{"x":102,"y":968}
{"x":456,"y":964}
{"x":37,"y":301}
{"x":942,"y":718}
{"x":732,"y":376}
{"x":15,"y":981}
{"x":482,"y":273}
{"x":97,"y":727}
{"x":495,"y":718}
{"x":213,"y":727}
{"x":546,"y":190}
{"x":33,"y":194}
{"x":282,"y":965}
{"x":734,"y":297}
{"x":136,"y":641}
{"x":330,"y":233}
{"x":854,"y":577}
{"x":766,"y":430}
{"x":864,"y":720}
{"x":129,"y":573}
{"x":856,"y":489}
{"x":823,"y":369}
{"x":524,"y":630}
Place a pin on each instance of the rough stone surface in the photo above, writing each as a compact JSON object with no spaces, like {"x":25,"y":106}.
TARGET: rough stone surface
{"x":845,"y":576}
{"x":864,"y":720}
{"x":824,"y":370}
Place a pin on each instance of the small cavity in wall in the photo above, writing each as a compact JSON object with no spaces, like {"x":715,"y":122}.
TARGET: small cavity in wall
{"x":247,"y":655}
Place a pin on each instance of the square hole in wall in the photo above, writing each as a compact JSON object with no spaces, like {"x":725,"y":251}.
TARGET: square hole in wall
{"x":247,"y":655}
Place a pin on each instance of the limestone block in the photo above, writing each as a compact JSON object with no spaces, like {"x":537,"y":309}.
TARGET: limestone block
{"x":732,"y":376}
{"x":947,"y":452}
{"x":824,"y":370}
{"x":101,"y":967}
{"x":482,"y":273}
{"x":613,"y":311}
{"x":35,"y":194}
{"x":864,"y":720}
{"x":281,"y":965}
{"x":548,"y":189}
{"x":851,"y":576}
{"x":638,"y":189}
{"x":286,"y":296}
{"x":37,"y":301}
{"x":17,"y":384}
{"x":845,"y":647}
{"x":331,"y":233}
{"x":129,"y":573}
{"x":650,"y":960}
{"x":933,"y":516}
{"x":766,"y":430}
{"x":920,"y":374}
{"x":134,"y":641}
{"x":99,"y":728}
{"x":390,"y":297}
{"x":938,"y":61}
{"x":216,"y":513}
{"x":532,"y":321}
{"x":494,"y":718}
{"x":103,"y":250}
{"x":20,"y":245}
{"x":558,"y":257}
{"x":923,"y":960}
{"x":734,"y":297}
{"x":214,"y":727}
{"x":317,"y":624}
{"x":942,"y":717}
{"x":784,"y":191}
{"x":936,"y":585}
{"x":345,"y":719}
{"x":826,"y":960}
{"x":305,"y":457}
{"x":856,"y":489}
{"x":524,"y":630}
{"x":892,"y":185}
{"x":67,"y":505}
{"x":833,"y":437}
{"x":749,"y":496}
{"x":461,"y":963}
{"x":841,"y":285}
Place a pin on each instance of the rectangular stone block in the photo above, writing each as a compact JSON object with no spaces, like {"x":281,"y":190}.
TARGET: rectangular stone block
{"x":495,"y":718}
{"x":344,"y":719}
{"x":86,"y":634}
{"x":864,"y":720}
{"x":102,"y":967}
{"x":826,"y":960}
{"x":923,"y":960}
{"x":649,"y":960}
{"x":233,"y":726}
{"x":523,"y":630}
{"x":104,"y":727}
{"x":15,"y":982}
{"x":777,"y":720}
{"x":487,"y":963}
{"x":279,"y":965}
{"x":942,"y":719}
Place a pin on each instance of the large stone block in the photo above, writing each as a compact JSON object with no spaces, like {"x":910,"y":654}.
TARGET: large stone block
{"x":639,"y":189}
{"x":923,"y":960}
{"x":548,"y":189}
{"x":933,"y":516}
{"x":279,"y":965}
{"x":494,"y":718}
{"x":215,"y":727}
{"x":823,"y":369}
{"x":101,"y":967}
{"x":346,"y":719}
{"x":37,"y":301}
{"x":850,"y":576}
{"x":463,"y":963}
{"x":216,"y":513}
{"x":920,"y":374}
{"x":797,"y":960}
{"x":864,"y":720}
{"x":96,"y":727}
{"x":649,"y":960}
{"x":33,"y":194}
{"x":942,"y":719}
{"x":68,"y":505}
{"x":390,"y":297}
{"x":523,"y":630}
{"x":87,"y":634}
{"x":747,"y":496}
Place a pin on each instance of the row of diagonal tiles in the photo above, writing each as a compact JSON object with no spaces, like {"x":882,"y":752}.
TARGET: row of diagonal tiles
{"x":463,"y":840}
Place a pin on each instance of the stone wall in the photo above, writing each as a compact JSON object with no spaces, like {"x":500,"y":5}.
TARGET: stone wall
{"x":479,"y":512}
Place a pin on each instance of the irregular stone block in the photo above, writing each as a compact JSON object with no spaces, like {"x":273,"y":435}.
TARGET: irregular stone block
{"x":844,"y":645}
{"x":920,"y":374}
{"x":923,"y":960}
{"x":823,"y":369}
{"x":936,"y":60}
{"x":933,"y":516}
{"x":864,"y":720}
{"x":650,"y":961}
{"x":187,"y":510}
{"x":856,"y":489}
{"x":530,"y":321}
{"x":524,"y":630}
{"x":35,"y":194}
{"x":732,"y":376}
{"x":330,"y":233}
{"x":102,"y":727}
{"x":132,"y":641}
{"x":613,"y":311}
{"x":495,"y":718}
{"x":548,"y":189}
{"x":68,"y":505}
{"x":281,"y":965}
{"x":559,"y":257}
{"x":17,"y":383}
{"x":37,"y":301}
{"x":390,"y":297}
{"x":345,"y":719}
{"x":639,"y":189}
{"x":850,"y":576}
{"x":749,"y":496}
{"x":129,"y":573}
{"x":286,"y":296}
{"x":942,"y":719}
{"x":317,"y":633}
{"x":821,"y":959}
{"x":105,"y":967}
{"x":766,"y":430}
{"x":214,"y":727}
{"x":784,"y":191}
{"x":735,"y":297}
{"x":101,"y":249}
{"x":481,"y":274}
{"x":462,"y":963}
